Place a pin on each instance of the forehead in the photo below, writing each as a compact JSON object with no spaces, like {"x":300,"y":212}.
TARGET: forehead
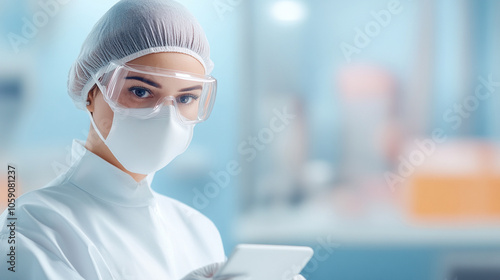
{"x":171,"y":60}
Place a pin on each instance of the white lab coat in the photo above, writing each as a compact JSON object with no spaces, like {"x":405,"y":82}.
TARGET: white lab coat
{"x":95,"y":222}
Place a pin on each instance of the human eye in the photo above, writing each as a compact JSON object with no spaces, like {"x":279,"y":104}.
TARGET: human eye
{"x":140,"y":92}
{"x":186,"y":99}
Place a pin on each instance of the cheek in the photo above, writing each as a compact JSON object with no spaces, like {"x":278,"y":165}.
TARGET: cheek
{"x":103,"y":116}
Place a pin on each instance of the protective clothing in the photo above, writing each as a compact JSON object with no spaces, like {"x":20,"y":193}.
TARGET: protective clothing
{"x":96,"y":222}
{"x":131,"y":29}
{"x":145,"y":146}
{"x":155,"y":110}
{"x":146,"y":132}
{"x":130,"y":87}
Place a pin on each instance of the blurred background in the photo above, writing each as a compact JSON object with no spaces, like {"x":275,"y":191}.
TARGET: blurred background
{"x":367,"y":130}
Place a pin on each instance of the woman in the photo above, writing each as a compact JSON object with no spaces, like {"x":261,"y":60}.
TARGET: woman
{"x":142,"y":76}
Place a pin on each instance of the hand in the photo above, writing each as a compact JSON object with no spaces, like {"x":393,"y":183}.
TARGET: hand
{"x":207,"y":273}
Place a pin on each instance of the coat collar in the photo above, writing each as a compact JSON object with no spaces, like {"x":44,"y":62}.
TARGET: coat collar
{"x":105,"y":181}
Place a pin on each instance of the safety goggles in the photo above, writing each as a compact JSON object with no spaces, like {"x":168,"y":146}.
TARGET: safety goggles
{"x":141,"y":91}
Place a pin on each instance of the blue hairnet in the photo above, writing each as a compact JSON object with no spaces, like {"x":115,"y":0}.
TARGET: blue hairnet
{"x":131,"y":29}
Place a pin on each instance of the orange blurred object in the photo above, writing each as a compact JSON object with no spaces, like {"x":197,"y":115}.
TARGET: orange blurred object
{"x":456,"y":197}
{"x":459,"y":183}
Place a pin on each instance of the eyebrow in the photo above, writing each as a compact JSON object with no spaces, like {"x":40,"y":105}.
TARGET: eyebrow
{"x":191,"y":88}
{"x":151,"y":83}
{"x":144,"y":80}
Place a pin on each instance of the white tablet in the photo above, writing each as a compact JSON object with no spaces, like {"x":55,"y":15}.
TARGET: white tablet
{"x":266,"y":262}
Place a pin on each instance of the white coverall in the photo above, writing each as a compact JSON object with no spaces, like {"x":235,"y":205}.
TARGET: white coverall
{"x":96,"y":222}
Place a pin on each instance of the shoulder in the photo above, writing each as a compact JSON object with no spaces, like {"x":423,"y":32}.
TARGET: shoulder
{"x":184,"y":211}
{"x":47,"y":206}
{"x":54,"y":195}
{"x":33,"y":218}
{"x":38,"y":230}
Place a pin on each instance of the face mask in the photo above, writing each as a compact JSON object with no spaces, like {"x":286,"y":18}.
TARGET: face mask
{"x":147,"y":145}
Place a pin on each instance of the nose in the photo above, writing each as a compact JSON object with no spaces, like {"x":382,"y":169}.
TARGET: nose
{"x":167,"y":100}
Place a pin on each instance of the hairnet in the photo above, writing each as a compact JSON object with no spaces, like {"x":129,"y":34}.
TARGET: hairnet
{"x":133,"y":28}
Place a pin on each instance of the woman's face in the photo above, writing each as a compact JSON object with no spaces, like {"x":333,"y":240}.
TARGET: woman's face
{"x":102,"y":113}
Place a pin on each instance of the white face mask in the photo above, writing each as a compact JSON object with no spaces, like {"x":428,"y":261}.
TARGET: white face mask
{"x":147,"y":145}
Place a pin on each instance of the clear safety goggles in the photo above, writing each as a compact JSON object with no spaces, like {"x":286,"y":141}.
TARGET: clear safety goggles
{"x":141,"y":91}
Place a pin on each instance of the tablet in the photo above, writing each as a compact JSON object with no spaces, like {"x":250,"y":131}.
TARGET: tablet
{"x":266,"y":262}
